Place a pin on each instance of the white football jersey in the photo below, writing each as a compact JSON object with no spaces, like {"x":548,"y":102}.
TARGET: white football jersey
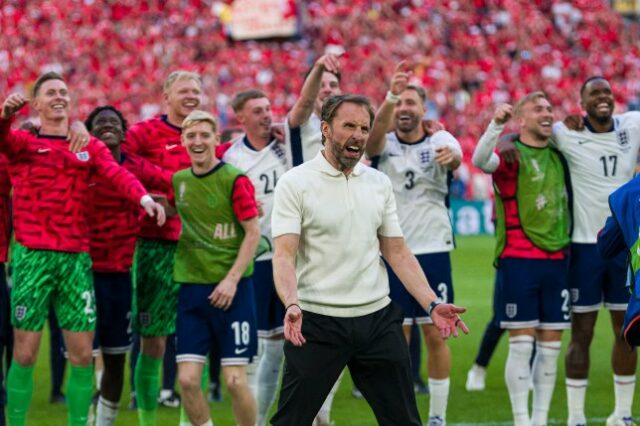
{"x":420,"y":187}
{"x":263,"y":168}
{"x":304,"y":142}
{"x":599,"y":163}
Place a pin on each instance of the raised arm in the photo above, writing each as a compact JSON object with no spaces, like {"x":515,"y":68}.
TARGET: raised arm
{"x":303,"y":107}
{"x":10,"y":142}
{"x":384,"y":116}
{"x":483,"y":156}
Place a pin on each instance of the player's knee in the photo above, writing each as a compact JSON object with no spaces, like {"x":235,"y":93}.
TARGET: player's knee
{"x":433,"y":340}
{"x":581,"y":338}
{"x":236,"y":382}
{"x":81,"y":357}
{"x":189,"y":382}
{"x":26,"y":357}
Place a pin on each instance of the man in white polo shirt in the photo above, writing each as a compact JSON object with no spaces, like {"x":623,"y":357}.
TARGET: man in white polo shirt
{"x":332,"y":218}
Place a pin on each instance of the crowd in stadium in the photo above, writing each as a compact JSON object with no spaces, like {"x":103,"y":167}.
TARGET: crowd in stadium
{"x":470,"y":54}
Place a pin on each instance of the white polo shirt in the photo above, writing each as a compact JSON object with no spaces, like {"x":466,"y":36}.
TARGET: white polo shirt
{"x":338,"y":218}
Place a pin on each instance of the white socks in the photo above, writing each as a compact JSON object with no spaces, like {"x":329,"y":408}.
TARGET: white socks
{"x":252,"y":369}
{"x":209,"y":423}
{"x":267,"y":375}
{"x":545,"y":367}
{"x":99,"y":374}
{"x":324,"y":415}
{"x":438,"y":397}
{"x":106,"y":413}
{"x":576,"y":391}
{"x":624,"y":388}
{"x":517,"y":374}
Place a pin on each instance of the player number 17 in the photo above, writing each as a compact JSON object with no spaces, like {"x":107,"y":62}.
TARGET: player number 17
{"x":609,"y":167}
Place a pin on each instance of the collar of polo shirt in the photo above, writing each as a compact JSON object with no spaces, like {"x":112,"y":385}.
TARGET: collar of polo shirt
{"x":321,"y":164}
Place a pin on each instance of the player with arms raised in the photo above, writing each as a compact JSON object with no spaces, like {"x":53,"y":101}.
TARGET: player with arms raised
{"x":418,"y":166}
{"x":532,"y":212}
{"x":50,"y":259}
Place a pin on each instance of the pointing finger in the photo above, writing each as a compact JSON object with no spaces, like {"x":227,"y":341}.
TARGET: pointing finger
{"x":399,"y":66}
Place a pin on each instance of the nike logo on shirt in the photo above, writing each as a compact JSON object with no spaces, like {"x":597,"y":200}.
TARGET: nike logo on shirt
{"x":170,"y":147}
{"x":43,"y":150}
{"x":240,"y":351}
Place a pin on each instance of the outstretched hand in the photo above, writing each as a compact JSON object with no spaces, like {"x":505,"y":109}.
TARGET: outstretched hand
{"x":447,"y":320}
{"x":293,"y":325}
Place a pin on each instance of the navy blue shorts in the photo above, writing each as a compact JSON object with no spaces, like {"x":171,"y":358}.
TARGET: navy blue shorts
{"x":269,"y":308}
{"x":533,"y":293}
{"x":114,"y":294}
{"x":437,"y":268}
{"x":594,"y":280}
{"x":201,"y":326}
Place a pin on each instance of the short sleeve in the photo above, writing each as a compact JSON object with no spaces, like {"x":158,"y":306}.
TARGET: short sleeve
{"x":243,"y":199}
{"x":286,"y":217}
{"x":390,"y":226}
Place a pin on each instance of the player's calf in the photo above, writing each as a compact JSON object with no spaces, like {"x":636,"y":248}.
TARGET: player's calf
{"x":195,"y":404}
{"x":577,"y":358}
{"x":243,"y":402}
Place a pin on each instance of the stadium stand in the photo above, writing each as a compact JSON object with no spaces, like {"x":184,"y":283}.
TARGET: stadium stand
{"x":470,"y":54}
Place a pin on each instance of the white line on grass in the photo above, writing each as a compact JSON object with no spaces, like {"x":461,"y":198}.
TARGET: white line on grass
{"x":550,"y":422}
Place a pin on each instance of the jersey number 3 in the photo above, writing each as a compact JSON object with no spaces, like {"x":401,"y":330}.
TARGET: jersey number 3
{"x":409,"y":182}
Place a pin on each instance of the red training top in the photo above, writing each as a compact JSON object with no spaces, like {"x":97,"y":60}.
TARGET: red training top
{"x":158,"y":141}
{"x":51,"y":187}
{"x":114,"y":218}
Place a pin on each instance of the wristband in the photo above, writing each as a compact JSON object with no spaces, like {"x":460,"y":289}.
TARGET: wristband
{"x":394,"y":99}
{"x":293,"y":304}
{"x":145,"y":199}
{"x":433,"y":305}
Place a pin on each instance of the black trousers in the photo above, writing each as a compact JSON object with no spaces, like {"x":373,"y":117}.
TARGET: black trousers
{"x":375,"y":350}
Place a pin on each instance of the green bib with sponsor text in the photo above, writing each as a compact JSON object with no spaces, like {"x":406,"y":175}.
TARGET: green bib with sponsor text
{"x":211,"y":234}
{"x":541,"y":198}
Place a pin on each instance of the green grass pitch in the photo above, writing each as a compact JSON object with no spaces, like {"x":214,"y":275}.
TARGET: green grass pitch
{"x":473,"y":282}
